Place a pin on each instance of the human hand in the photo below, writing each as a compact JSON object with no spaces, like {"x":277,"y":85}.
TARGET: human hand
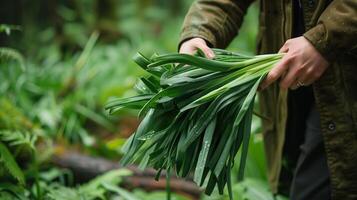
{"x":192,"y":45}
{"x":301,"y":65}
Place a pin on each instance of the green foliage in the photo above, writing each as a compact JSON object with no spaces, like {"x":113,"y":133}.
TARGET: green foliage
{"x":14,"y":141}
{"x":7,"y":28}
{"x":249,"y":189}
{"x":51,"y":90}
{"x":95,"y":189}
{"x":102,"y":187}
{"x":18,"y":139}
{"x":11,"y":191}
{"x":8,"y":161}
{"x":11,"y":117}
{"x":60,"y":88}
{"x":157,"y":195}
{"x":7,"y":54}
{"x":19,"y":142}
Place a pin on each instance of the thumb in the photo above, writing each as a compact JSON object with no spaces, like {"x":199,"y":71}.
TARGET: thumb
{"x":284,"y":49}
{"x":207,"y":51}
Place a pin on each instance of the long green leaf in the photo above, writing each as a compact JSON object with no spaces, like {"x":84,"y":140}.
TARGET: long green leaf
{"x":8,"y":161}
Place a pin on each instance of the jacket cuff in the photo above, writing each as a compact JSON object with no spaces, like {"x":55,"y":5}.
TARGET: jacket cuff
{"x":188,"y":33}
{"x":317,"y":36}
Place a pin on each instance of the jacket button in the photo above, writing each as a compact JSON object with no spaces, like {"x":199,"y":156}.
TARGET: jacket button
{"x":331,"y":126}
{"x":311,"y":3}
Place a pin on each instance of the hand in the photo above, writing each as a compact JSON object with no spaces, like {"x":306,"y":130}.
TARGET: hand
{"x":192,"y":45}
{"x":301,"y":65}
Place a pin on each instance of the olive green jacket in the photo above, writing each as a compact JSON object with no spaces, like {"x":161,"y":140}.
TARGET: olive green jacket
{"x":332,"y":28}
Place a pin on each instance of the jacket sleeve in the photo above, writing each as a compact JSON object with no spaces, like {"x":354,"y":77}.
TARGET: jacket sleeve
{"x":216,"y":21}
{"x":336,"y":31}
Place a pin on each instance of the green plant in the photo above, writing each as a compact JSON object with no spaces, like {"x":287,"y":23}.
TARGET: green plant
{"x":12,"y":145}
{"x":7,"y":54}
{"x":197,"y":115}
{"x":102,"y":187}
{"x":19,"y":139}
{"x":33,"y":98}
{"x":248,"y":189}
{"x":95,"y":189}
{"x":14,"y":142}
{"x":8,"y":28}
{"x":9,"y":163}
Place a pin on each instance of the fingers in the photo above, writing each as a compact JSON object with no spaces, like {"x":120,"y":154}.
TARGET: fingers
{"x":284,"y":49}
{"x":297,"y":84}
{"x":302,"y":65}
{"x":191,"y":46}
{"x":279,"y":69}
{"x":276,"y":72}
{"x":308,"y":77}
{"x":305,"y":79}
{"x":289,"y":81}
{"x":207,"y":51}
{"x":187,"y":48}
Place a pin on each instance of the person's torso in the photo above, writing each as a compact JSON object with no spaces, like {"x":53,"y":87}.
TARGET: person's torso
{"x":335,"y":93}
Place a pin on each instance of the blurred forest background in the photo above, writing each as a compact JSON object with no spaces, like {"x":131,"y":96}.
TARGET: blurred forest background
{"x":60,"y":61}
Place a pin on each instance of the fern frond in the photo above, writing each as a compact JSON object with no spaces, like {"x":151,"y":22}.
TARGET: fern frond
{"x":97,"y":188}
{"x":12,"y":191}
{"x":7,"y":54}
{"x":60,"y":192}
{"x":8,"y":161}
{"x":17,"y":138}
{"x":11,"y":117}
{"x":113,"y":177}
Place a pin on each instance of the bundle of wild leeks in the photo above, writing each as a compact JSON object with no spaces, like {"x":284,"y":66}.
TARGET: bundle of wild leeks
{"x":196,"y":114}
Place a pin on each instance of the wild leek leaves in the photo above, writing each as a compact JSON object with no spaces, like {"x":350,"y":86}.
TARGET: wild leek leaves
{"x":196,"y":114}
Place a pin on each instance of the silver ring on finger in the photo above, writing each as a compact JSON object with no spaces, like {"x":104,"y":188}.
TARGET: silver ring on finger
{"x":300,"y":84}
